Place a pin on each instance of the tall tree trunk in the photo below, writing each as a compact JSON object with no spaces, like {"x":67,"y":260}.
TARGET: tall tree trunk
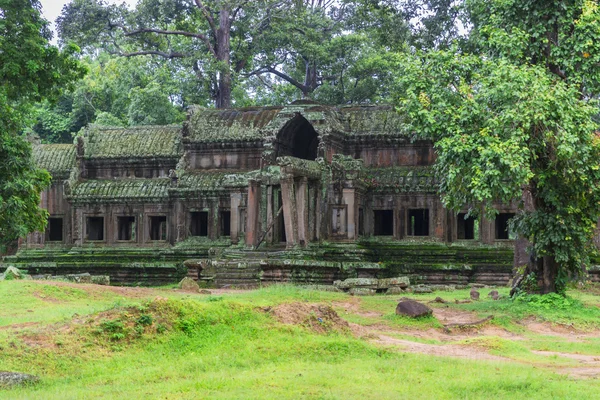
{"x":223,"y":98}
{"x":545,"y":268}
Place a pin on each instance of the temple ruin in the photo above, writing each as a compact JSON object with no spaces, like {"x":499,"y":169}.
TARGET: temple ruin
{"x":302,"y":193}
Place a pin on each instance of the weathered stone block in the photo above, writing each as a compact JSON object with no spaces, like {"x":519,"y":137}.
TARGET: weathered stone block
{"x":370,"y":283}
{"x":421,"y":289}
{"x":400,"y":281}
{"x":189,"y":285}
{"x":8,"y":379}
{"x":13,"y":273}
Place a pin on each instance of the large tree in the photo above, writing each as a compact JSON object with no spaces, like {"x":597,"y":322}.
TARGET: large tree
{"x":212,"y":38}
{"x":30,"y":70}
{"x":516,"y":124}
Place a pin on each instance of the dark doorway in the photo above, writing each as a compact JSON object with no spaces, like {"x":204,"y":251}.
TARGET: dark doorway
{"x":95,"y":228}
{"x":55,"y":229}
{"x":280,"y":219}
{"x":199,"y":223}
{"x":502,"y":230}
{"x":383,"y":221}
{"x":361,"y":222}
{"x":225,"y":222}
{"x":467,"y":229}
{"x":418,"y":222}
{"x":298,"y":139}
{"x":158,"y":227}
{"x":125,"y":228}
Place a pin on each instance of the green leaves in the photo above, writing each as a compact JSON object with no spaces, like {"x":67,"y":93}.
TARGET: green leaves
{"x":499,"y":128}
{"x":30,"y":70}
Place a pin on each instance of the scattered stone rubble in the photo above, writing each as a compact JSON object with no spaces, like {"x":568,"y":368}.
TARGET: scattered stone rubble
{"x":13,"y":273}
{"x":369,"y":286}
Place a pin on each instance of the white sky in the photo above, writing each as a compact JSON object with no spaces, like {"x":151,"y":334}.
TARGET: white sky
{"x":51,"y":9}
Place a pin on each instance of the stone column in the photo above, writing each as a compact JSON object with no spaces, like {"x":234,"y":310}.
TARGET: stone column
{"x":302,"y":210}
{"x":289,"y":211}
{"x":213,"y":218}
{"x":271,"y":210}
{"x":252,"y":213}
{"x":349,"y":196}
{"x":236,"y":200}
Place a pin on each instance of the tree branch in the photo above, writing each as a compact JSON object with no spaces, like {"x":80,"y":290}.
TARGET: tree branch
{"x":207,"y":15}
{"x":200,"y":36}
{"x":154,"y":53}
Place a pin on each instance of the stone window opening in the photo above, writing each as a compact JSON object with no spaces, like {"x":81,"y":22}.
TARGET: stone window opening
{"x":503,"y":231}
{"x":418,"y":222}
{"x":199,"y":223}
{"x":467,"y":228}
{"x":225,"y":223}
{"x":55,"y":229}
{"x":383,"y":222}
{"x":94,"y":228}
{"x":158,"y":227}
{"x":126,"y":228}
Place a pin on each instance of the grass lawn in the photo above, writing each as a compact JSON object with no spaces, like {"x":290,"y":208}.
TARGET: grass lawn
{"x":87,"y":342}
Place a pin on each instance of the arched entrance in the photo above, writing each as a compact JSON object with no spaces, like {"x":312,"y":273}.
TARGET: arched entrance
{"x":298,"y":139}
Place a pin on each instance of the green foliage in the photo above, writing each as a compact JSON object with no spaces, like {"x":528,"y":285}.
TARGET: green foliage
{"x":547,"y":301}
{"x":30,"y":70}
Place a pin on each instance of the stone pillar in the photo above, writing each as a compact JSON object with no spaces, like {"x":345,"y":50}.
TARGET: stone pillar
{"x":236,"y":200}
{"x":252,"y":211}
{"x":289,"y":211}
{"x":302,"y":210}
{"x":213,"y":218}
{"x":349,"y":196}
{"x":77,"y":224}
{"x":271,"y":214}
{"x":179,"y":216}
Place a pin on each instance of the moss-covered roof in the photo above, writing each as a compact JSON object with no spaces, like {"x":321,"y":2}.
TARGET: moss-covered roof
{"x":401,"y":179}
{"x":58,"y":159}
{"x":211,"y":125}
{"x":374,"y":120}
{"x":118,"y":190}
{"x":133,"y":142}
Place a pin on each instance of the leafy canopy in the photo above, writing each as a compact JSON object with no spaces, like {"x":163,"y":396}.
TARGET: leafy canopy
{"x":30,"y":70}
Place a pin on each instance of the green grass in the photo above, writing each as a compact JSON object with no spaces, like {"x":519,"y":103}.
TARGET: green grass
{"x":225,"y":346}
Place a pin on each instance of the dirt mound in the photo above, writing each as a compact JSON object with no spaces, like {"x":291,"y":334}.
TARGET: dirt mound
{"x":319,"y":318}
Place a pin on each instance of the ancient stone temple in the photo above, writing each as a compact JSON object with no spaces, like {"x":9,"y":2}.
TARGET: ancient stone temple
{"x":302,"y":193}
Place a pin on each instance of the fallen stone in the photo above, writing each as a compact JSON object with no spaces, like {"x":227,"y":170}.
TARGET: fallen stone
{"x":494,"y":295}
{"x":478,"y":285}
{"x":413,"y":309}
{"x":79,"y":278}
{"x":422,"y":289}
{"x":461,"y":287}
{"x":395,"y":290}
{"x":101,"y":280}
{"x":474,"y":294}
{"x":13,"y":273}
{"x":349,"y":283}
{"x":400,"y":281}
{"x":189,"y":285}
{"x":444,"y":288}
{"x":362,"y":291}
{"x":204,"y":291}
{"x":8,"y":379}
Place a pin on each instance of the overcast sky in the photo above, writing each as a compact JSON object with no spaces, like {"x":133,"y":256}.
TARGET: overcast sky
{"x":51,"y":8}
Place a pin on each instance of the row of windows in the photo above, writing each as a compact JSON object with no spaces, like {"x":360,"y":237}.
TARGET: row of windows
{"x":127,"y":227}
{"x":418,"y":224}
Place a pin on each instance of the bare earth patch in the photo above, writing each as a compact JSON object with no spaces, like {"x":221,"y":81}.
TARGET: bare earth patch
{"x":317,"y":317}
